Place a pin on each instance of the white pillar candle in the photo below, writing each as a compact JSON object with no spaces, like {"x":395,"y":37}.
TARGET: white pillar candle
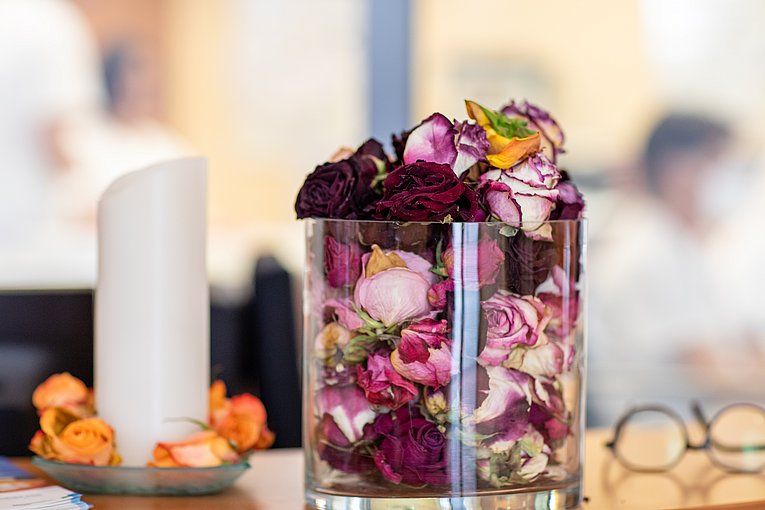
{"x":152,"y":349}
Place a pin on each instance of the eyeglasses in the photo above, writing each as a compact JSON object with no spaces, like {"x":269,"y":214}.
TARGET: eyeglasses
{"x":654,"y":438}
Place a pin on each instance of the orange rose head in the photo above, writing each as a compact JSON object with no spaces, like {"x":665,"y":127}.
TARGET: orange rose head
{"x":63,"y":390}
{"x":203,"y":449}
{"x":241,"y":419}
{"x":66,"y":437}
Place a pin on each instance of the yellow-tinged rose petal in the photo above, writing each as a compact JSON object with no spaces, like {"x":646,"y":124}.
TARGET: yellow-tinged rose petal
{"x":476,"y":113}
{"x":331,"y":336}
{"x":55,"y":419}
{"x":379,"y":261}
{"x":513,"y":151}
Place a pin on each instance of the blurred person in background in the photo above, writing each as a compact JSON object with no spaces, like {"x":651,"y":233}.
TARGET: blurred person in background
{"x":48,"y":77}
{"x":125,"y":136}
{"x":661,"y":317}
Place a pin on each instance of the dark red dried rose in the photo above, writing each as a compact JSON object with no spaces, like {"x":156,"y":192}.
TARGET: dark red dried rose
{"x":424,"y":191}
{"x":399,"y":144}
{"x":412,"y":450}
{"x":342,"y":262}
{"x":375,"y":149}
{"x":342,"y":189}
{"x":340,"y":454}
{"x":527,"y":263}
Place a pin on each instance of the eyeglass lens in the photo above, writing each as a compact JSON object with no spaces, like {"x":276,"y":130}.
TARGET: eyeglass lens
{"x":737,"y":438}
{"x":651,"y":440}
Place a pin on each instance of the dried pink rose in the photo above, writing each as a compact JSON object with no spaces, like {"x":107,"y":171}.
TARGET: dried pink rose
{"x":560,"y":295}
{"x":548,"y":412}
{"x":344,"y":428}
{"x":346,"y":316}
{"x":396,"y":294}
{"x":472,"y":146}
{"x":437,"y":294}
{"x":507,"y":401}
{"x":348,"y":410}
{"x":342,"y":262}
{"x":432,"y":141}
{"x":545,"y":360}
{"x":524,"y":195}
{"x":381,"y":383}
{"x":489,"y":260}
{"x":437,"y":140}
{"x":424,"y":355}
{"x":510,"y":458}
{"x":512,"y":320}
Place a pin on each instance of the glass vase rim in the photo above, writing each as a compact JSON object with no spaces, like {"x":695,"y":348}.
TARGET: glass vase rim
{"x":425,"y":222}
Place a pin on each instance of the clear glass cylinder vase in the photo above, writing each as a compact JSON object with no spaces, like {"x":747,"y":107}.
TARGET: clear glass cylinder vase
{"x":443,"y":365}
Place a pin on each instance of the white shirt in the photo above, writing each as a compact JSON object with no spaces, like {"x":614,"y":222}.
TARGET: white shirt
{"x":48,"y":71}
{"x":654,"y":297}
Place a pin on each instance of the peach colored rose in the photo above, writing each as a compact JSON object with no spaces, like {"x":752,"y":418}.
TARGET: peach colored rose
{"x":63,"y":390}
{"x":66,"y":437}
{"x":203,"y":449}
{"x":241,"y":419}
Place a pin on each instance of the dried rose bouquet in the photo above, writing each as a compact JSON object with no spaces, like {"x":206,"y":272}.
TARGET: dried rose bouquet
{"x":442,"y":315}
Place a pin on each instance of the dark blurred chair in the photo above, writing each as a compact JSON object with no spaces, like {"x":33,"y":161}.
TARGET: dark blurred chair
{"x":271,"y":328}
{"x":252,"y":348}
{"x":41,"y":332}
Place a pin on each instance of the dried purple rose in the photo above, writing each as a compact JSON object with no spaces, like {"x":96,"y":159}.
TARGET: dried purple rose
{"x":570,"y":204}
{"x":539,"y":120}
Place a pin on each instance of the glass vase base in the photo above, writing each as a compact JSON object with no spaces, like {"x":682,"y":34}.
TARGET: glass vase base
{"x":550,"y":499}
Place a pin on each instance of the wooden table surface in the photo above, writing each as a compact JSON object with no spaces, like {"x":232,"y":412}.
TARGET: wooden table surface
{"x":275,"y":482}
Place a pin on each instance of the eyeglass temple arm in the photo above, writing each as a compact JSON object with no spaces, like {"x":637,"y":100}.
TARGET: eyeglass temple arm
{"x":698,"y":413}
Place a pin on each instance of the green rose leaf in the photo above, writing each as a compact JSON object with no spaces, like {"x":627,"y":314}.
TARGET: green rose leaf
{"x":507,"y":127}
